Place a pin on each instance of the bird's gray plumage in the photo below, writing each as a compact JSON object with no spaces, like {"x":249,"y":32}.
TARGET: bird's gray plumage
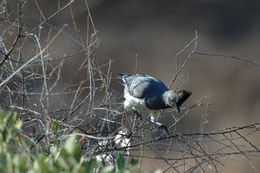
{"x":146,"y":87}
{"x":140,"y":85}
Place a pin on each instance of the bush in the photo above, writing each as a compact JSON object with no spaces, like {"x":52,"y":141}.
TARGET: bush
{"x":16,"y":155}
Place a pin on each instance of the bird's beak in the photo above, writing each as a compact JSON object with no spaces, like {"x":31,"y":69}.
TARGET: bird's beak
{"x":177,"y":107}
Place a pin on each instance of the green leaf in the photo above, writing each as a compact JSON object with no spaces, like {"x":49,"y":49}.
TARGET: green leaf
{"x":55,"y":127}
{"x":11,"y":119}
{"x":64,"y":153}
{"x":3,"y":159}
{"x":18,"y":124}
{"x":5,"y":134}
{"x":108,"y":169}
{"x":70,"y":144}
{"x":20,"y":162}
{"x":77,"y":153}
{"x":39,"y":164}
{"x":42,"y":164}
{"x":28,"y":142}
{"x":89,"y":166}
{"x":120,"y":162}
{"x":133,"y":162}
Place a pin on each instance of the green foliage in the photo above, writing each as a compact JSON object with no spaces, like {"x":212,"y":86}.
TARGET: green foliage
{"x":16,"y":155}
{"x":120,"y":162}
{"x":55,"y":126}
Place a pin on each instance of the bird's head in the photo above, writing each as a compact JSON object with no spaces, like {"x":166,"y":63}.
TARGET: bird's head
{"x":176,"y":98}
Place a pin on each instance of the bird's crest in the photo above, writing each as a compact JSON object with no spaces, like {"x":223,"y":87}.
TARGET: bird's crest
{"x":182,"y":96}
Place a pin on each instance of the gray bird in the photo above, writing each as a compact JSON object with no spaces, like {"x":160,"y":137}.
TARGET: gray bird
{"x":144,"y":93}
{"x":109,"y":149}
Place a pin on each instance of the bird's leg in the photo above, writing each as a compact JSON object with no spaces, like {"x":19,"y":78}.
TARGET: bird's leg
{"x":138,"y":115}
{"x":161,"y":126}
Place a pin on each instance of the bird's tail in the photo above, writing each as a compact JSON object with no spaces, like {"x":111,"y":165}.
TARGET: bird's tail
{"x":123,"y":76}
{"x":182,"y":96}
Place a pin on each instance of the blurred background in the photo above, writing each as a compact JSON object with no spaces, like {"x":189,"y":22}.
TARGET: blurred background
{"x":144,"y":36}
{"x":153,"y":31}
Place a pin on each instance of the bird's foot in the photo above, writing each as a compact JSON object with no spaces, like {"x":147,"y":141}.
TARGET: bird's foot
{"x":161,"y":127}
{"x":165,"y":128}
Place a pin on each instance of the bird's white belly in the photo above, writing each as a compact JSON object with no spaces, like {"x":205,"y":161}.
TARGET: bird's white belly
{"x":134,"y":103}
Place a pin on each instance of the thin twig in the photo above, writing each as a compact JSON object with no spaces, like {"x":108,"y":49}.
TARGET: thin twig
{"x":187,"y":59}
{"x":245,"y":60}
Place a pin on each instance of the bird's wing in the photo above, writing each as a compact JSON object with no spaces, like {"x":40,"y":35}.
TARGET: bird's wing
{"x":141,"y":85}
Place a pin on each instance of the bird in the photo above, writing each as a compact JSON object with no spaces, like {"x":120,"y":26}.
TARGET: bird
{"x":109,"y":149}
{"x":144,"y":93}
